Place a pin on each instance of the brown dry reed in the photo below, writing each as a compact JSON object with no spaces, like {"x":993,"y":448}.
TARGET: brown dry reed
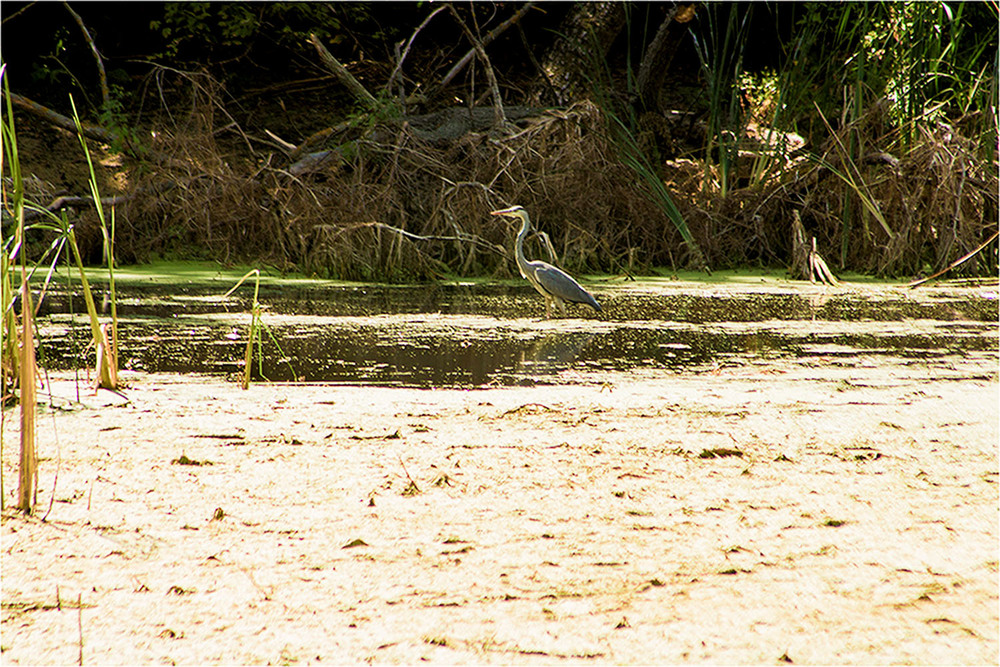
{"x":389,"y":206}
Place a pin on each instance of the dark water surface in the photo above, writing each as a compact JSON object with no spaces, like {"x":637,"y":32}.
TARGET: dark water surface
{"x":460,"y":335}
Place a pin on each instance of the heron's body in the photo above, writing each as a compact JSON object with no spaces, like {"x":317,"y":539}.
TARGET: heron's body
{"x":553,"y":283}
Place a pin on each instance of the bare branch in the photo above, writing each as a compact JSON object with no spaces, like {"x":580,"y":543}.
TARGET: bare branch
{"x":399,"y":65}
{"x":466,"y":238}
{"x":102,"y":75}
{"x":345,"y":77}
{"x":490,"y":36}
{"x":957,"y":262}
{"x":490,"y":76}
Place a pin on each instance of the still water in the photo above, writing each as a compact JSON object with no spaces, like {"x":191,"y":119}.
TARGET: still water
{"x":479,"y":336}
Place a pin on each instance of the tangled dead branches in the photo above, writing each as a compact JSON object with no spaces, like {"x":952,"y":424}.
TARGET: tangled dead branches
{"x":406,"y":198}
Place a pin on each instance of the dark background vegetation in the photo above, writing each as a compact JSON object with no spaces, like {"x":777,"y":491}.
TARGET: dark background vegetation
{"x":639,"y":135}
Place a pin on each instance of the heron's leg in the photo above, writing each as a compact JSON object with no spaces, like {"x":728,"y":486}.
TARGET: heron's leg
{"x":548,"y":306}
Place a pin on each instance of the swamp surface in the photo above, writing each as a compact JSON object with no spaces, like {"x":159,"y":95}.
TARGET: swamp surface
{"x":745,"y":471}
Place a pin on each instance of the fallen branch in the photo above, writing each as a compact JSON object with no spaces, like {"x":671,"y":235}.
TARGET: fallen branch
{"x":74,"y":201}
{"x":33,"y":211}
{"x":406,"y":50}
{"x":345,"y":77}
{"x":467,"y":238}
{"x":317,"y":138}
{"x":957,"y":262}
{"x":94,"y":132}
{"x":500,"y":119}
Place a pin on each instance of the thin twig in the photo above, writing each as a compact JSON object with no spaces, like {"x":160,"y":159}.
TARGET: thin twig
{"x":79,"y":625}
{"x":286,"y":146}
{"x":412,"y":485}
{"x":957,"y":262}
{"x":534,"y":61}
{"x":490,"y":36}
{"x":249,"y":573}
{"x":406,"y":50}
{"x":55,"y":479}
{"x":501,"y":119}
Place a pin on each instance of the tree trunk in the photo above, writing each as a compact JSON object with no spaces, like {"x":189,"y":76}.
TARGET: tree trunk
{"x":660,"y":52}
{"x":589,"y":27}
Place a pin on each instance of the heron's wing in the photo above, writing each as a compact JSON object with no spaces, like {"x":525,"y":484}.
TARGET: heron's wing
{"x":560,"y":284}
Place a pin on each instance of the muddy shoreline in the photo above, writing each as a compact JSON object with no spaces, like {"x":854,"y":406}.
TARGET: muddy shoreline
{"x":838,"y":506}
{"x":856,"y":524}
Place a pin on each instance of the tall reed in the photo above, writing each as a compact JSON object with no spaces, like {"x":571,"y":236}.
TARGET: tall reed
{"x":720,"y":49}
{"x":107,"y":346}
{"x":621,"y":129}
{"x":21,"y":358}
{"x":17,"y":348}
{"x":254,"y":332}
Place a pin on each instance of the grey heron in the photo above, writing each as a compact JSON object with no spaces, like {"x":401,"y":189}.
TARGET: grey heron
{"x":551,"y":282}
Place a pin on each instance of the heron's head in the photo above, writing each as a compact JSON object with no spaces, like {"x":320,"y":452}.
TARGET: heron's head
{"x":516,"y":212}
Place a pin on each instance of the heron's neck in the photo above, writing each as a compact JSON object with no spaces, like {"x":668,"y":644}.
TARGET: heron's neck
{"x":522,"y":262}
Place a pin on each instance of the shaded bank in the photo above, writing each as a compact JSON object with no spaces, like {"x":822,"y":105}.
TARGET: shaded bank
{"x":872,"y":124}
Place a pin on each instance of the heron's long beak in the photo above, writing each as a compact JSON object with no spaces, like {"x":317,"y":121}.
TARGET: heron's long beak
{"x":505,"y":211}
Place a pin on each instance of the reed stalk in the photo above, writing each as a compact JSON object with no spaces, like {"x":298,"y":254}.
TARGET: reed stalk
{"x":107,"y":360}
{"x":253,"y":331}
{"x":621,"y":133}
{"x":22,"y":359}
{"x":720,"y":52}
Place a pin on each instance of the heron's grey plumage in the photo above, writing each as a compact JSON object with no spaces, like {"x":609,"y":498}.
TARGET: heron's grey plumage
{"x":551,"y":282}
